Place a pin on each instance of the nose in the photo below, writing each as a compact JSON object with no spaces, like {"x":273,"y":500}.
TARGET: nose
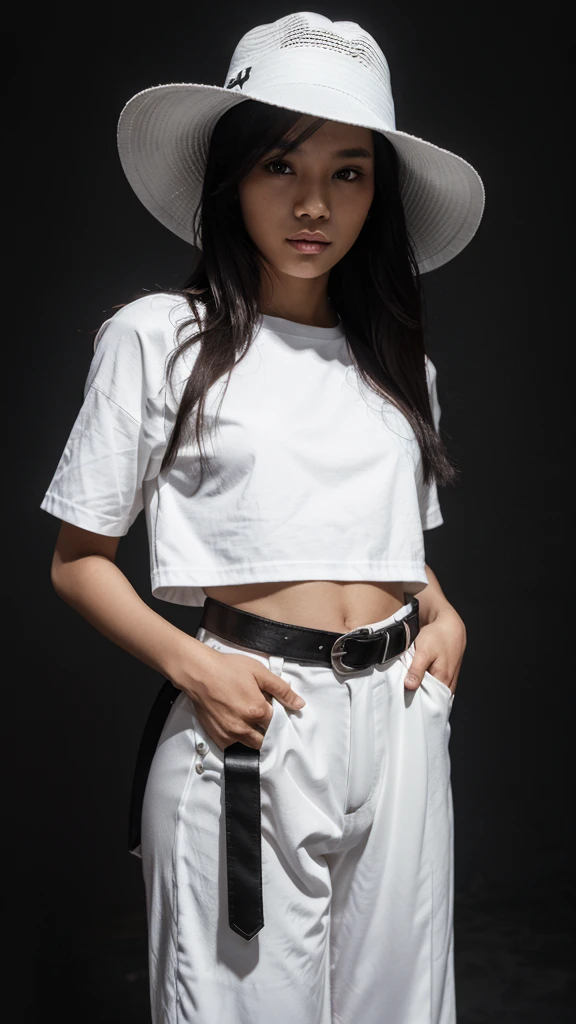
{"x":312,"y":205}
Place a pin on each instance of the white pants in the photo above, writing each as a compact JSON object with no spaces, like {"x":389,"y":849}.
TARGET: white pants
{"x":357,"y":858}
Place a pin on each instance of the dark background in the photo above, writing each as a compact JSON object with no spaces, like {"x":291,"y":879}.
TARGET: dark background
{"x":490,"y":85}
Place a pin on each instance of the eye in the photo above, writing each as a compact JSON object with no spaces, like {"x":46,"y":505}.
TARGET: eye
{"x":353,"y":170}
{"x":281,"y":163}
{"x":277,"y":163}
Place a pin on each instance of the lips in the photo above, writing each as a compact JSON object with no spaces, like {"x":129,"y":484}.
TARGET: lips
{"x":304,"y":246}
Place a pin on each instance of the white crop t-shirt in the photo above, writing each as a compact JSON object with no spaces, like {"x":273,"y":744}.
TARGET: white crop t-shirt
{"x":315,"y":476}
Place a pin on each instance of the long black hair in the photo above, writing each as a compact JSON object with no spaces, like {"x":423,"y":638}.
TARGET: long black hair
{"x":375,"y":287}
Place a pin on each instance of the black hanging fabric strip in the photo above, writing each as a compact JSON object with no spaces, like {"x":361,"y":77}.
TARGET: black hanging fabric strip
{"x":152,"y":732}
{"x":243,"y":839}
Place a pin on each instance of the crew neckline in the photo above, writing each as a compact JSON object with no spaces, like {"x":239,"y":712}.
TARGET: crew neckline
{"x":281,"y":326}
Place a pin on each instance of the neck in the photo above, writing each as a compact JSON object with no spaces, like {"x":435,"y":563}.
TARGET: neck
{"x":298,"y":299}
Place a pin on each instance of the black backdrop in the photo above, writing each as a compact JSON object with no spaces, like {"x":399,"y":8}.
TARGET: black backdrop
{"x":488,"y":85}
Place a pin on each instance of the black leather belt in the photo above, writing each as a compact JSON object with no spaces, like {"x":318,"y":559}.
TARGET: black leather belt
{"x":345,"y":653}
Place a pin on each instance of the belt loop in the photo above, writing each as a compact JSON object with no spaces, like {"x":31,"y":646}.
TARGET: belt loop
{"x":385,"y":655}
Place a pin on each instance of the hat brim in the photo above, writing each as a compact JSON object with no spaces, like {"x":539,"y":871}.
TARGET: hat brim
{"x":164,"y":135}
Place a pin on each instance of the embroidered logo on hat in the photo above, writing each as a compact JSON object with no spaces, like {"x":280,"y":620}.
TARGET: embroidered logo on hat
{"x":239,"y":80}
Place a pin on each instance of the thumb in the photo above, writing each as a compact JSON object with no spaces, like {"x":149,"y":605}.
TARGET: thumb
{"x":415,"y":673}
{"x":279,"y":688}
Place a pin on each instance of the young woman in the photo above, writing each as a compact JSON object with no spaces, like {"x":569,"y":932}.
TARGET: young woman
{"x":277,"y":419}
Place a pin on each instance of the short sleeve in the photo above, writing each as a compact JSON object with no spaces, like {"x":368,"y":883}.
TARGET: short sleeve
{"x":430,"y":512}
{"x":117,"y":441}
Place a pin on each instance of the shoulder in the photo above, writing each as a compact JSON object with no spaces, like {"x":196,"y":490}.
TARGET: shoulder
{"x":132,"y":346}
{"x":155,"y":316}
{"x":136,"y":340}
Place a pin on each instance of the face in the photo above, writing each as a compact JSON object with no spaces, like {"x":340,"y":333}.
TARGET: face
{"x":314,"y":190}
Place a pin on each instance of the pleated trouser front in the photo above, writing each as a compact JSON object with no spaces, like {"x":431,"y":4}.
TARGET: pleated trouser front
{"x":357,"y":858}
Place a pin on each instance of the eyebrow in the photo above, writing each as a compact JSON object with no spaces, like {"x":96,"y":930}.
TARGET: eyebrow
{"x":344,"y":154}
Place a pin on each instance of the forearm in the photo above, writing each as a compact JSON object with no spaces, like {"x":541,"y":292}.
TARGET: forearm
{"x":96,"y":588}
{"x":432,"y":599}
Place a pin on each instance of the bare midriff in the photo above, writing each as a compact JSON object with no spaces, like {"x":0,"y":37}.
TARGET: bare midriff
{"x":333,"y":605}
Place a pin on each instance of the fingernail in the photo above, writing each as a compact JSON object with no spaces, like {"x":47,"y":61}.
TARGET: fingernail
{"x":299,"y":703}
{"x":411,"y":679}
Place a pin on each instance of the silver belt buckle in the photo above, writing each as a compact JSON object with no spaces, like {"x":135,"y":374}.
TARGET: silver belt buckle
{"x":338,"y":650}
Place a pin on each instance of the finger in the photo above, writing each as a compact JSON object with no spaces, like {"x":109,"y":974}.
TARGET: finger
{"x":279,"y":688}
{"x":263,"y":721}
{"x":212,"y":727}
{"x":251,"y":737}
{"x":254,"y":736}
{"x":418,"y":666}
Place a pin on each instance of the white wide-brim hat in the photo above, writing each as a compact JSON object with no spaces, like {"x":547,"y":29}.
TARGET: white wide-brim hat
{"x":307,"y":63}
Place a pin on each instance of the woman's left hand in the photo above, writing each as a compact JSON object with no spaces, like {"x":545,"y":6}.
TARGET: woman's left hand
{"x":439,"y":649}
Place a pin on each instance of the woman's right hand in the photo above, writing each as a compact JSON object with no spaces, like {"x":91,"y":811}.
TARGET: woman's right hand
{"x":229,"y":695}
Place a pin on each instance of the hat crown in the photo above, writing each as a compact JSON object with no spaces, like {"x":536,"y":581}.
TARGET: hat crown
{"x":314,"y":31}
